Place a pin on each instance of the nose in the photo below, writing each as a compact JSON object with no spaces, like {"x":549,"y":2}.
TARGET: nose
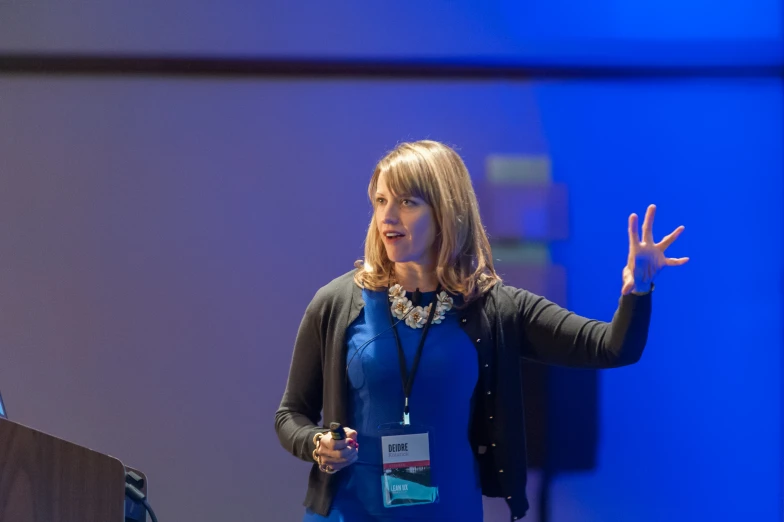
{"x":390,"y":214}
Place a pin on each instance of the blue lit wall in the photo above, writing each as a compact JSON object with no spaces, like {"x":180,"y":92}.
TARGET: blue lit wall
{"x":693,"y":432}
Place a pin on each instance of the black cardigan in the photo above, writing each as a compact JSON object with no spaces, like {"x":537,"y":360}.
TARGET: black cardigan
{"x":504,"y":324}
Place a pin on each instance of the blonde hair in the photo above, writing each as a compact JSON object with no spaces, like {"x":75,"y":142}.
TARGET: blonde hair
{"x":435,"y":173}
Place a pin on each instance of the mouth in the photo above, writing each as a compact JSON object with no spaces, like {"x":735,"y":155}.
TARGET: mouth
{"x":393,"y":237}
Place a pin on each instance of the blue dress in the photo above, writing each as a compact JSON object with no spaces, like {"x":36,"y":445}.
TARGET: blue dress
{"x":441,"y":399}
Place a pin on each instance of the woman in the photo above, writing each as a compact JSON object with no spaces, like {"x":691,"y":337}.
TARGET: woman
{"x":431,"y":428}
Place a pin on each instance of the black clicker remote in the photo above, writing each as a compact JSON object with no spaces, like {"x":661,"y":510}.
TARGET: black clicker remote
{"x":337,"y":431}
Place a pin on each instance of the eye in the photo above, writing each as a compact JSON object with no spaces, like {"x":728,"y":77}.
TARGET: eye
{"x":408,"y":202}
{"x":380,"y":201}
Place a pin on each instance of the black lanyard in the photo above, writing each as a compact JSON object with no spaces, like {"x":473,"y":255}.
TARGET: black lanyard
{"x":408,"y":378}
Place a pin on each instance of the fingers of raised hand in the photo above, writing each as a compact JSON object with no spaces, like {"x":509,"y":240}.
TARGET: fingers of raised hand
{"x":634,"y":237}
{"x":670,"y":238}
{"x":647,"y":224}
{"x":627,"y":278}
{"x":676,"y":261}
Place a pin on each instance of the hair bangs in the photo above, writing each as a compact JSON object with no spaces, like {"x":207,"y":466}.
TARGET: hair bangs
{"x":406,"y":176}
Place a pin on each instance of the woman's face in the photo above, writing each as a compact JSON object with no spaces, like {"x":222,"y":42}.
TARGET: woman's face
{"x":406,"y":226}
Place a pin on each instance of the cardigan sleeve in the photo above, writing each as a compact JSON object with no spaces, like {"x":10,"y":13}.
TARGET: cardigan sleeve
{"x":554,"y":335}
{"x":297,"y":418}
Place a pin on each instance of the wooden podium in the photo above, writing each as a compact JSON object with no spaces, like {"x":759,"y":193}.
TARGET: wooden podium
{"x":46,"y":479}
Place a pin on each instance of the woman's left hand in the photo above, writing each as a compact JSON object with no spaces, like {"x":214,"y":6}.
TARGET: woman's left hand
{"x":646,"y":258}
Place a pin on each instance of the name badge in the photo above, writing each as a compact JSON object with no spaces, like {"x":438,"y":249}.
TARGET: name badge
{"x":406,"y":478}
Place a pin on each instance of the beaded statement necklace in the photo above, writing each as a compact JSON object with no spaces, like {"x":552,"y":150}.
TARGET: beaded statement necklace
{"x":417,"y":315}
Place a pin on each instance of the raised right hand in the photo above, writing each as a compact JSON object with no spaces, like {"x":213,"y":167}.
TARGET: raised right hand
{"x":338,"y":454}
